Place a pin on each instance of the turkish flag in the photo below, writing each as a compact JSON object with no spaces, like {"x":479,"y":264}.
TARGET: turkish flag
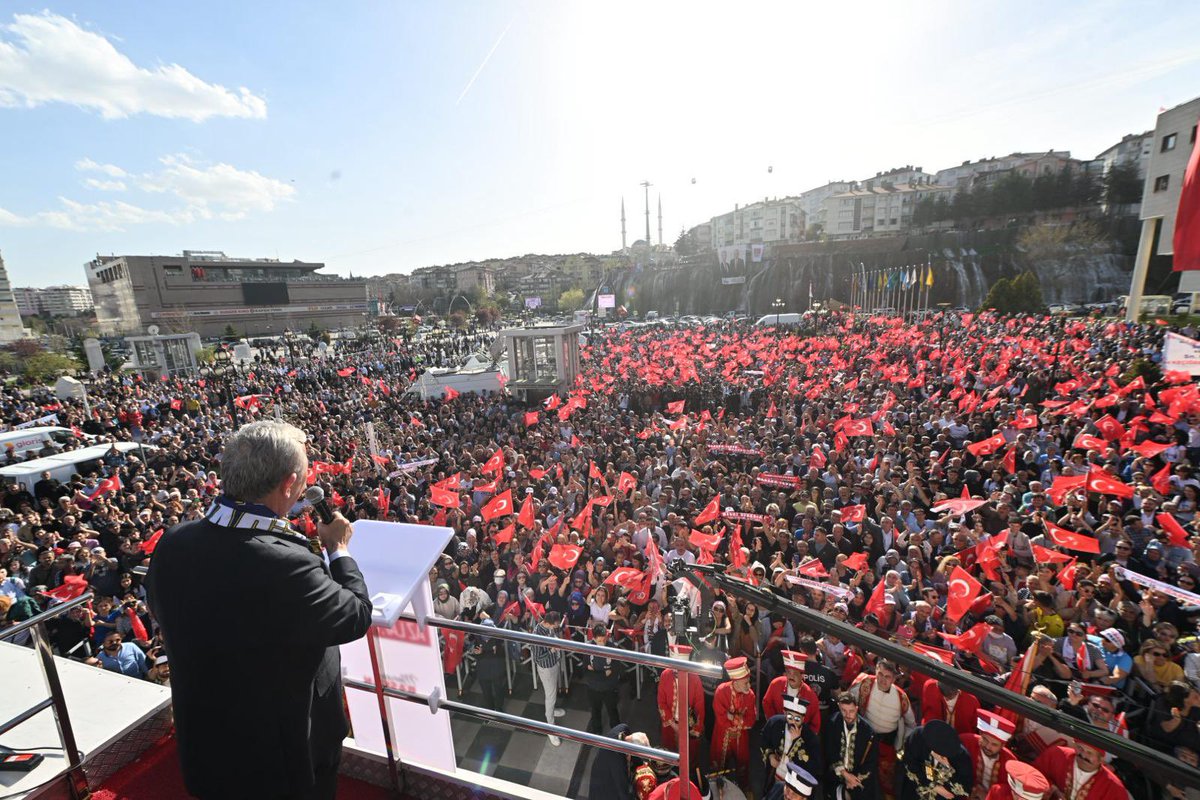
{"x":453,"y":652}
{"x":1178,"y":536}
{"x":968,"y":641}
{"x":817,"y":458}
{"x":495,"y":463}
{"x":176,"y":404}
{"x":443,"y":497}
{"x":105,"y":486}
{"x":1024,"y":422}
{"x":854,"y":513}
{"x":565,"y":556}
{"x":72,"y":586}
{"x":1064,"y":484}
{"x":858,"y":427}
{"x":594,"y":471}
{"x":450,"y":393}
{"x":987,"y":446}
{"x":1109,"y":428}
{"x":1010,"y":461}
{"x":537,"y":474}
{"x":148,"y":546}
{"x":1045,"y":554}
{"x":552,"y":402}
{"x":347,"y":372}
{"x":704,"y":541}
{"x":963,"y":591}
{"x":840,"y":442}
{"x":526,"y":517}
{"x":1161,"y":480}
{"x":856,"y":562}
{"x":1101,"y":482}
{"x":531,"y":418}
{"x":498,"y":506}
{"x":1148,"y":449}
{"x":813,"y":568}
{"x":944,"y":656}
{"x":1085,"y":441}
{"x":383,"y":500}
{"x":626,"y":483}
{"x":1187,"y":218}
{"x":625,"y":577}
{"x":710,"y":512}
{"x":505,"y":535}
{"x":876,"y":604}
{"x":676,"y":407}
{"x":1071,"y":540}
{"x":987,"y":558}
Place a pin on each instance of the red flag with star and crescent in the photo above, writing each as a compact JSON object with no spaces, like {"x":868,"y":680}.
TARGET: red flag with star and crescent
{"x":498,"y":506}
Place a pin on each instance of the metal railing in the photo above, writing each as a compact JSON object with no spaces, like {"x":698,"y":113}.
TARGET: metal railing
{"x":77,"y":784}
{"x":436,"y":702}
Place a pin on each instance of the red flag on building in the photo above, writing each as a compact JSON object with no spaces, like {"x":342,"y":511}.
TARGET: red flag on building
{"x":1187,"y":218}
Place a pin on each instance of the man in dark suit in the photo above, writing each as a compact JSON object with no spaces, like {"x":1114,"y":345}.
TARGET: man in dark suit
{"x":258,"y":703}
{"x":851,"y":757}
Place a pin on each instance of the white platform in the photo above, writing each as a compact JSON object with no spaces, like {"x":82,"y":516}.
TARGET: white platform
{"x":104,"y":708}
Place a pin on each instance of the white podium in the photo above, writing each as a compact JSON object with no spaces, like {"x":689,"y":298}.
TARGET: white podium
{"x":395,"y":559}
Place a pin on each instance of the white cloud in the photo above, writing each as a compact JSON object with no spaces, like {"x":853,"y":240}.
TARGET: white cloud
{"x":220,"y":188}
{"x":207,"y":192}
{"x":104,"y":186}
{"x":87,"y":165}
{"x":47,"y":58}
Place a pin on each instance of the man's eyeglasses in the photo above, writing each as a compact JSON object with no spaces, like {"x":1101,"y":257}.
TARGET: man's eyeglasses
{"x":1158,"y":654}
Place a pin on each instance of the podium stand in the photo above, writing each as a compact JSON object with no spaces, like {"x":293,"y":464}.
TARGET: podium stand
{"x":395,"y":559}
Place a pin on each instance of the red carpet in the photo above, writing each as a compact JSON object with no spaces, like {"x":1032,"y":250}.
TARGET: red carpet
{"x":155,"y":776}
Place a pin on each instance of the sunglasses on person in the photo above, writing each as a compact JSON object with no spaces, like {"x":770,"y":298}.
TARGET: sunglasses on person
{"x":1158,"y":654}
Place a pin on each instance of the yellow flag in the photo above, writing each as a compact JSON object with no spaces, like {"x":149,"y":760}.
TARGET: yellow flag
{"x":929,"y":277}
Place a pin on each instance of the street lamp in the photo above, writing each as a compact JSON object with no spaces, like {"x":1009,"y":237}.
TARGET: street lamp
{"x":778,"y":305}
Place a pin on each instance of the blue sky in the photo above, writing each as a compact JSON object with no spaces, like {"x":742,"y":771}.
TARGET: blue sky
{"x":383,"y":136}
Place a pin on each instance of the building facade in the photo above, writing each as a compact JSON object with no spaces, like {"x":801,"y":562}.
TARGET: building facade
{"x":11,"y":328}
{"x":28,"y":299}
{"x":812,"y":203}
{"x":1174,"y":138}
{"x":766,"y":222}
{"x":206,"y":292}
{"x":873,"y":210}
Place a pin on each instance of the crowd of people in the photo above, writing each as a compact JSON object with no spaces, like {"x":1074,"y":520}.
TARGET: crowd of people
{"x":1015,"y":496}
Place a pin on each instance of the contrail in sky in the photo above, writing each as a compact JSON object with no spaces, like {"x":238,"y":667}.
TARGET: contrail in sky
{"x":483,"y":63}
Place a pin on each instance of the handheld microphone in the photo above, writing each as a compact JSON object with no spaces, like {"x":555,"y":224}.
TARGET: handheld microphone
{"x":315,"y":496}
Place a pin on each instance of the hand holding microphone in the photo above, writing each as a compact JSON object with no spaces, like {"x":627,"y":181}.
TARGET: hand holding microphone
{"x":332,"y":528}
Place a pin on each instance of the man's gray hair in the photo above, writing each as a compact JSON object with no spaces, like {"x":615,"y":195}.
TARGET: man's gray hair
{"x":259,"y":457}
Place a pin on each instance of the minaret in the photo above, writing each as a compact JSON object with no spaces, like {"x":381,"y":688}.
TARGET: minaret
{"x":646,"y":185}
{"x":660,"y":219}
{"x":623,"y":247}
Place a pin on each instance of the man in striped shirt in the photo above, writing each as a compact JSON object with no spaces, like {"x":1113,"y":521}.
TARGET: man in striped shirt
{"x":548,"y":661}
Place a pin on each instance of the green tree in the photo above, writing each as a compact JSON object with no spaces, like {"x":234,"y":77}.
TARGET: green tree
{"x":42,"y":367}
{"x":570,"y":300}
{"x":231,"y":331}
{"x":999,"y":297}
{"x":206,"y":356}
{"x":1122,"y":185}
{"x":1027,"y":294}
{"x":684,"y":245}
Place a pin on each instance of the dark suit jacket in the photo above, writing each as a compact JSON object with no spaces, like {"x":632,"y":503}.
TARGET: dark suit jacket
{"x":865,"y":760}
{"x":251,"y":621}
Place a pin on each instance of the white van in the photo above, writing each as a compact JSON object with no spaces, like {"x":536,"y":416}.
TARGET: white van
{"x":63,"y":465}
{"x":31,"y":440}
{"x":768,"y":320}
